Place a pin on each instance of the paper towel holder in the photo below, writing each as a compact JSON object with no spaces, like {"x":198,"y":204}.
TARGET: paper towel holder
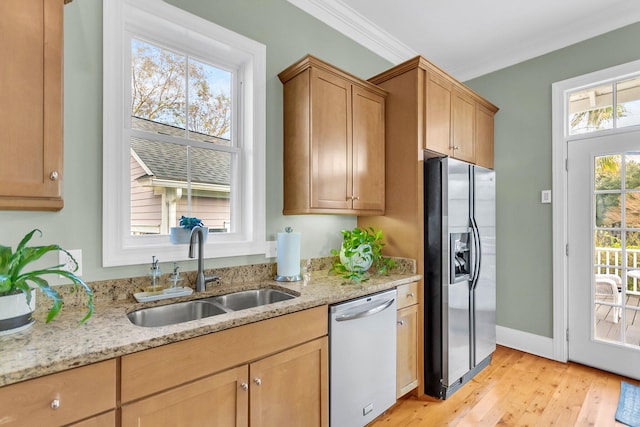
{"x":296,"y":278}
{"x":286,"y":278}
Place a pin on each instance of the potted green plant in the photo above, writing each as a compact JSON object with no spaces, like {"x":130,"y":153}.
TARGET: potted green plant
{"x":180,"y":235}
{"x":361,"y":250}
{"x":17,"y":288}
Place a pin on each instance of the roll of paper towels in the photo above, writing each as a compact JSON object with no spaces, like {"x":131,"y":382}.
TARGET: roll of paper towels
{"x":289,"y":255}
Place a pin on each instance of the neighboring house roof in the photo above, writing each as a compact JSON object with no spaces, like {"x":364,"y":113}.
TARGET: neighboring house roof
{"x":165,"y":161}
{"x":151,"y":126}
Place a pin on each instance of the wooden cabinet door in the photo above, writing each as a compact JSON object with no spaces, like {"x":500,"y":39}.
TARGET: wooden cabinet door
{"x":368,"y":151}
{"x":407,"y":356}
{"x":218,"y":400}
{"x":31,"y":104}
{"x":463,"y":127}
{"x":331,"y":178}
{"x":484,"y":136}
{"x":437,"y":114}
{"x":291,"y":388}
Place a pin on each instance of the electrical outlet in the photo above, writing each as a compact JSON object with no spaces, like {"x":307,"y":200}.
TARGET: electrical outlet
{"x":68,"y":264}
{"x":272,"y":249}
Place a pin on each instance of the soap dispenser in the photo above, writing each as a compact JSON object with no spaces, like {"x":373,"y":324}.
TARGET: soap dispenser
{"x":174,"y":279}
{"x":154,"y":272}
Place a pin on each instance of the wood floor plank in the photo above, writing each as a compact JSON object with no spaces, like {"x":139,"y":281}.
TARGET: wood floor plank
{"x":517,"y":390}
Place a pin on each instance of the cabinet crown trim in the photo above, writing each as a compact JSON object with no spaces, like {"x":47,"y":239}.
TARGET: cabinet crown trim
{"x":424,"y":64}
{"x":310,"y":61}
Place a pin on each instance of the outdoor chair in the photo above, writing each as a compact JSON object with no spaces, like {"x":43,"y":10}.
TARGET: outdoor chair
{"x":610,"y":285}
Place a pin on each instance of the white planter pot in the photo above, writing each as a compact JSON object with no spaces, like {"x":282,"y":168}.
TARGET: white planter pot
{"x":179,"y":235}
{"x":359,"y":261}
{"x":15,"y":313}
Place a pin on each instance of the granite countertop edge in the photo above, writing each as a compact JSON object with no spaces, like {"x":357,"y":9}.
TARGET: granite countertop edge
{"x":49,"y":348}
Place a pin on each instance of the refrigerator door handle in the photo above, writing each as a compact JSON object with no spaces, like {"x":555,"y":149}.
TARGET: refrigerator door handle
{"x":477,"y":246}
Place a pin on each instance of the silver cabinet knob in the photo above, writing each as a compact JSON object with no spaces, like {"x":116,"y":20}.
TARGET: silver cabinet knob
{"x":411,"y":295}
{"x":258,"y":381}
{"x":244,"y":386}
{"x":53,"y":176}
{"x":400,"y":322}
{"x":55,"y":404}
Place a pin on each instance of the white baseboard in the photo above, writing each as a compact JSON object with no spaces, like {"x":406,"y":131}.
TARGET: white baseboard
{"x":525,"y":341}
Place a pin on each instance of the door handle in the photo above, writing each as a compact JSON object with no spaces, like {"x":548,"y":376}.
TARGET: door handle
{"x":370,"y":312}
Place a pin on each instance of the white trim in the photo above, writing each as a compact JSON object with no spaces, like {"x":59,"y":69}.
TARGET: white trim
{"x":338,"y":15}
{"x":347,"y":21}
{"x":560,"y":194}
{"x":525,"y":341}
{"x":559,"y":220}
{"x":157,"y":19}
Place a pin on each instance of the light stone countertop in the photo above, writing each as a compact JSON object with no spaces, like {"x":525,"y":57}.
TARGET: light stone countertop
{"x":64,"y":343}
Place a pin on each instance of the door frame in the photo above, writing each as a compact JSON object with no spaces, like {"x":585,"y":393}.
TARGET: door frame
{"x":560,"y":194}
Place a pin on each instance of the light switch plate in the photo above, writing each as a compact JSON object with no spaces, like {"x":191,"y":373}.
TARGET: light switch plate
{"x":545,"y":196}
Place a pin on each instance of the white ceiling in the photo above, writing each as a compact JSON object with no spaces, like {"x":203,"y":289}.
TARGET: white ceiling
{"x":469,"y":38}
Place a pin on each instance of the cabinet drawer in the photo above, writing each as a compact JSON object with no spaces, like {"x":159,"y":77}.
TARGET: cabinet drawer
{"x":407,"y":295}
{"x":79,"y":393}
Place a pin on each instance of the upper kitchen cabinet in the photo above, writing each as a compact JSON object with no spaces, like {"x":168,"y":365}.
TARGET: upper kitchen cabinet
{"x":334,"y":141}
{"x":31,"y":104}
{"x":444,"y":116}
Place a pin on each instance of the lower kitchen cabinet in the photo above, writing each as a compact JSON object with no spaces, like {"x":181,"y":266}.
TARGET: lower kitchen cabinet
{"x":218,"y":400}
{"x":268,"y":373}
{"x":61,"y":398}
{"x":407,"y":339}
{"x":288,"y":388}
{"x":291,"y":388}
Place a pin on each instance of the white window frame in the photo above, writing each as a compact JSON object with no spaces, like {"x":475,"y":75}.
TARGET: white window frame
{"x":155,"y":20}
{"x":560,"y":138}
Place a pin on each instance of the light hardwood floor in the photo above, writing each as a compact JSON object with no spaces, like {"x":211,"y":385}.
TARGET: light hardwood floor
{"x":519,"y":389}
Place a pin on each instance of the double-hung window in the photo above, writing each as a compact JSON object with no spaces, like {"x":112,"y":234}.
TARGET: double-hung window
{"x":184,"y":133}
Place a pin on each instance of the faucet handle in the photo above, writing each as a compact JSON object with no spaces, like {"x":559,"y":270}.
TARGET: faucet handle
{"x":212,"y":278}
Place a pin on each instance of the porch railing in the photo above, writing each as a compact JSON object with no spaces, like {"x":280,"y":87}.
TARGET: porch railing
{"x":609,"y":261}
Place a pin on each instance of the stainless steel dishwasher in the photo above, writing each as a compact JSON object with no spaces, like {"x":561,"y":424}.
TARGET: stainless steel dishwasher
{"x":362,"y":363}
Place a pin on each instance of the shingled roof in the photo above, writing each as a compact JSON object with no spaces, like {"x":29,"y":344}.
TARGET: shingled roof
{"x":169,"y":161}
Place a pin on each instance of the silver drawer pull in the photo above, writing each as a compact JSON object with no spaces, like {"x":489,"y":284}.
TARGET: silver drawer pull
{"x":55,"y":404}
{"x":53,"y":176}
{"x":258,"y":381}
{"x":401,"y":322}
{"x":411,"y":295}
{"x":244,"y":386}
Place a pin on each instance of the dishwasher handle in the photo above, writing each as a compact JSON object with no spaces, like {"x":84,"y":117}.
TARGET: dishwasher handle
{"x":365,"y":313}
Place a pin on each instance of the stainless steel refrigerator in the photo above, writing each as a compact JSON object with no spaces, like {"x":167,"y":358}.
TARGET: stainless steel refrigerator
{"x":460,"y":277}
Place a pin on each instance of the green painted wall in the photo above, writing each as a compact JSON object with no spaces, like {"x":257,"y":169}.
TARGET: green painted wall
{"x":523,"y":169}
{"x":288,"y":34}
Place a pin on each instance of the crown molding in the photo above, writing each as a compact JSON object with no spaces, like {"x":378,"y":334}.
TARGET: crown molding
{"x":347,"y":21}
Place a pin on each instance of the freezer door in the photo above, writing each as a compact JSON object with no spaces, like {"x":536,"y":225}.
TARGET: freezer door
{"x":455,"y":290}
{"x":485,"y":291}
{"x":456,"y":333}
{"x":456,"y":191}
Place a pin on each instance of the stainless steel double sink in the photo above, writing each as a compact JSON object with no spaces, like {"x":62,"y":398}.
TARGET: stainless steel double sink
{"x":171,"y":314}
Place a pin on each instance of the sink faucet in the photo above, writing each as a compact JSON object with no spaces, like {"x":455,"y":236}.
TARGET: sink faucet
{"x":201,"y":280}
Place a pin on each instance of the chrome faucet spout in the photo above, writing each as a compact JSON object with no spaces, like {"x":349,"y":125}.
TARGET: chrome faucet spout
{"x":197,"y":233}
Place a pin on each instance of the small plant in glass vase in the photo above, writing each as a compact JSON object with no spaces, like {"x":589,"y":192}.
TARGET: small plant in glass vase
{"x":360,"y":251}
